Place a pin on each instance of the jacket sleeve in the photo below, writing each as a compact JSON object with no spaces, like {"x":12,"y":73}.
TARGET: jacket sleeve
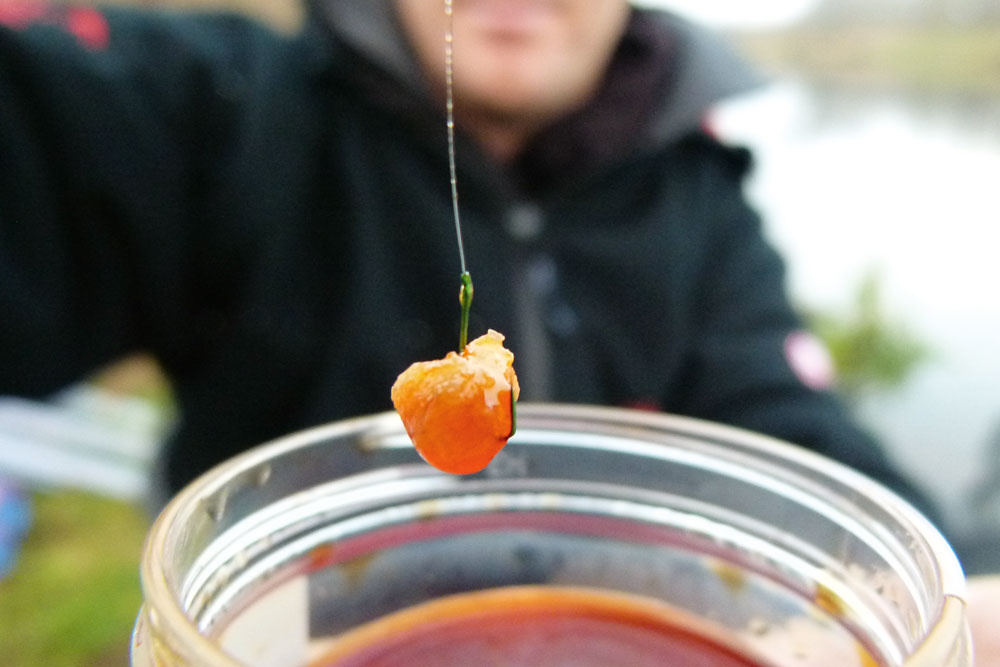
{"x":109,"y":126}
{"x":753,"y":364}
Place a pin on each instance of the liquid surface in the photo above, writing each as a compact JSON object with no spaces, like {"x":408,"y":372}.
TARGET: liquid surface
{"x":538,"y":625}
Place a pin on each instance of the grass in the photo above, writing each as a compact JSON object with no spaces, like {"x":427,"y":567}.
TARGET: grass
{"x":74,"y":594}
{"x":937,"y":58}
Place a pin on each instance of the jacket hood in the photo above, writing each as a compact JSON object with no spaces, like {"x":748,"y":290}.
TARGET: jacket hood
{"x":704,"y":69}
{"x":708,"y":71}
{"x":371,"y":29}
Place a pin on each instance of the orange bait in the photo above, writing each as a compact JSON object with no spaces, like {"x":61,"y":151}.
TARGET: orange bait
{"x":459,"y":411}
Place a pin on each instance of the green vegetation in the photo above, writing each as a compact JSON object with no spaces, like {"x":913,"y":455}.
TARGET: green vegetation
{"x":74,"y":593}
{"x":939,"y":59}
{"x":871,"y":352}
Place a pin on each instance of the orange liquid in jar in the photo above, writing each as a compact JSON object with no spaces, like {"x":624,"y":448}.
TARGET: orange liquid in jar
{"x":537,"y":625}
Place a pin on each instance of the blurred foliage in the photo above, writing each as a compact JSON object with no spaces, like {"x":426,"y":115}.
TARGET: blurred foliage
{"x":74,"y":593}
{"x":942,"y":58}
{"x":871,"y":352}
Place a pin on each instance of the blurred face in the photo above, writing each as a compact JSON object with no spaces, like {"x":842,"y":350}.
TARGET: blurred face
{"x":517,"y":62}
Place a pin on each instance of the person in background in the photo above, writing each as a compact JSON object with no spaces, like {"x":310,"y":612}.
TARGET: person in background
{"x":269,"y":216}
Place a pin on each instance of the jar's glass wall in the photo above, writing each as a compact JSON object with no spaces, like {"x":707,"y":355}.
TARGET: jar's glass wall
{"x":268,"y":557}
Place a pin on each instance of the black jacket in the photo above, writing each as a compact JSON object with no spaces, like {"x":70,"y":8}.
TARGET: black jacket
{"x":270,"y":217}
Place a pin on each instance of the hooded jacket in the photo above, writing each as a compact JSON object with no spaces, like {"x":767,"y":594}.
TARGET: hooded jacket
{"x":270,"y":217}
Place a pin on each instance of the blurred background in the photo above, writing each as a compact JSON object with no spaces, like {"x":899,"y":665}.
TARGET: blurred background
{"x":877,"y":142}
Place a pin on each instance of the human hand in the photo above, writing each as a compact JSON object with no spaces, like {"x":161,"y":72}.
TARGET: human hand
{"x":982,"y":598}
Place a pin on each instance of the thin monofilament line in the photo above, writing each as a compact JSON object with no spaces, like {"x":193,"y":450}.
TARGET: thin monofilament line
{"x":449,"y":52}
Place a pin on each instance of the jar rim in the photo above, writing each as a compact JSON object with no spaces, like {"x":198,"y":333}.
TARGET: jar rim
{"x":170,"y":618}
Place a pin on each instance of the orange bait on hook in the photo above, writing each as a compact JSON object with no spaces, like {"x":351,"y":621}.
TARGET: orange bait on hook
{"x":459,"y":410}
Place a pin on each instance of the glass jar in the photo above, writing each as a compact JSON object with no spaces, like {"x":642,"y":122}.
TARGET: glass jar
{"x":275,"y":553}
